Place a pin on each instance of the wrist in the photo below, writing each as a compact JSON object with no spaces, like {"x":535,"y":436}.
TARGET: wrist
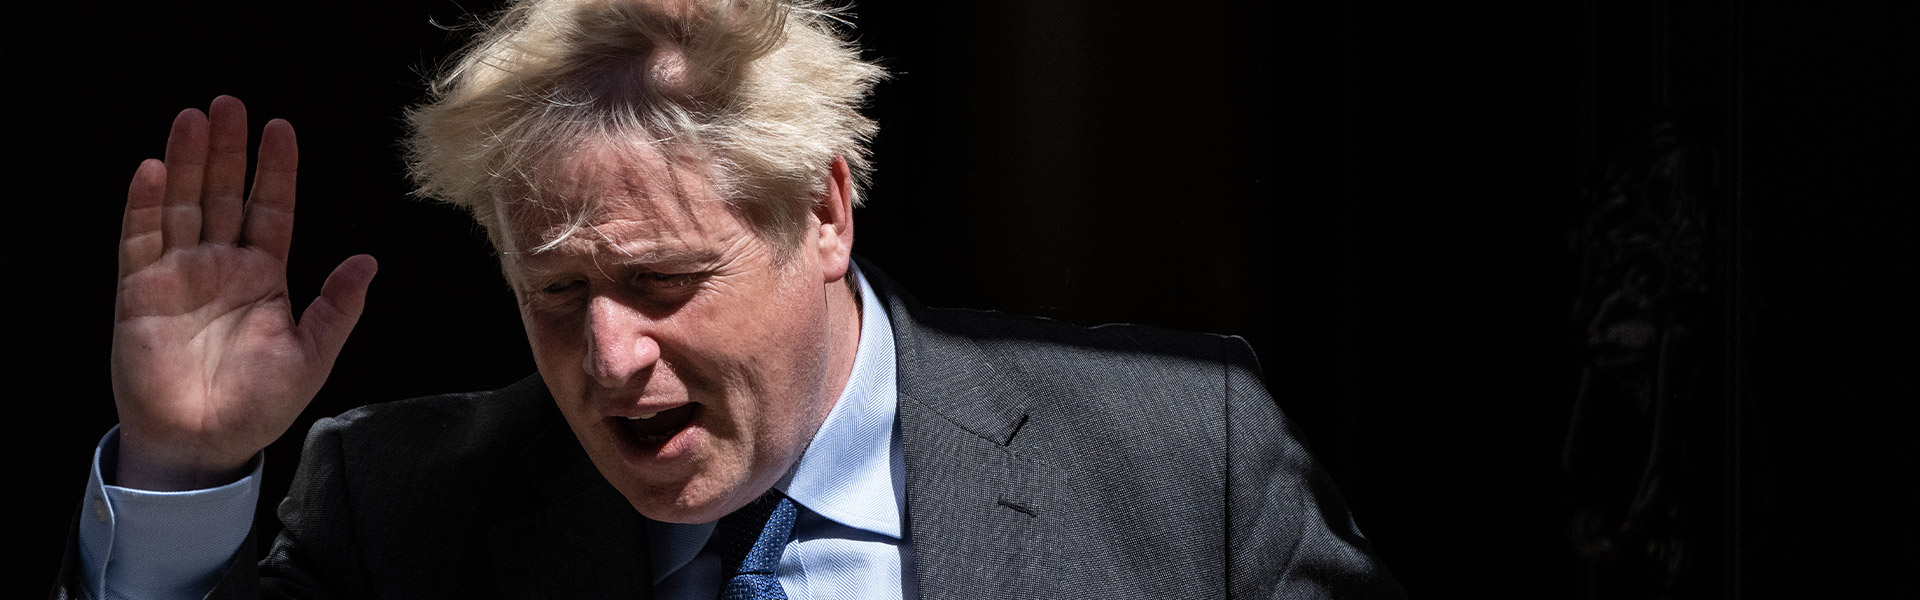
{"x":144,"y":466}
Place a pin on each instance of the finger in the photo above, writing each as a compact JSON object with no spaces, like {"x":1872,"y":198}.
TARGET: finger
{"x":140,"y":240}
{"x":226,"y":170}
{"x":269,"y":212}
{"x":186,"y":163}
{"x":325,"y":324}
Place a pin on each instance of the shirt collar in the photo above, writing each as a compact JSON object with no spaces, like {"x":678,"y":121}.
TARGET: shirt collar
{"x":851,"y":471}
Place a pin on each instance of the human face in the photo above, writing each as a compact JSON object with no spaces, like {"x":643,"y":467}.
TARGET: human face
{"x":693,"y":359}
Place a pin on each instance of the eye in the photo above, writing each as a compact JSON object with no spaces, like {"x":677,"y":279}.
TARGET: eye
{"x":559,"y":287}
{"x":667,"y":280}
{"x":559,"y":296}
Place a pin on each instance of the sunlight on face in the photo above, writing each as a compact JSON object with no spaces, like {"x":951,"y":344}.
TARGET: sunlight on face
{"x":691,"y":359}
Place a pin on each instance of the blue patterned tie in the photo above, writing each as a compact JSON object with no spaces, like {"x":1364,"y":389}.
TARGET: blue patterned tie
{"x":749,"y":543}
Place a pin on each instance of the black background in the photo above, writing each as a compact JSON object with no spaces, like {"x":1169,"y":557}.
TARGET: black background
{"x":1377,"y":194}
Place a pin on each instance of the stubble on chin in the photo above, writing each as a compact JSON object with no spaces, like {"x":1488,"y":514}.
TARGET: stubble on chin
{"x":707,"y":495}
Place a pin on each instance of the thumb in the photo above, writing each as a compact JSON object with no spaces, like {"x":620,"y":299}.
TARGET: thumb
{"x":327,"y":321}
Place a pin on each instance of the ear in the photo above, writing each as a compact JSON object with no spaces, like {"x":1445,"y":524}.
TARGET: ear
{"x":833,"y":216}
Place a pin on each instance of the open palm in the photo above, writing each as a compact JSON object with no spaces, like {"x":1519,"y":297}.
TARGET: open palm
{"x":209,"y":365}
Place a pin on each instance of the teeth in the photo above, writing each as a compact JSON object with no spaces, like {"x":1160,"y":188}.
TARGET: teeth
{"x":645,"y":416}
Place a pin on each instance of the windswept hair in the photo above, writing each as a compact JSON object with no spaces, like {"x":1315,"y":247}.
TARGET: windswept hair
{"x":758,"y":95}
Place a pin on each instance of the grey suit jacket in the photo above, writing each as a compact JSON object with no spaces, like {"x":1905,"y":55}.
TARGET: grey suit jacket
{"x":1043,"y":460}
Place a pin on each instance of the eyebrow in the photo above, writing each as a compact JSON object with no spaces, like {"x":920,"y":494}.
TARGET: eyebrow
{"x":534,"y":264}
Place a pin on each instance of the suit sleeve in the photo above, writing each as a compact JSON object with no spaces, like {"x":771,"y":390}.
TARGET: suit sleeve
{"x":1289,"y":534}
{"x":314,"y":555}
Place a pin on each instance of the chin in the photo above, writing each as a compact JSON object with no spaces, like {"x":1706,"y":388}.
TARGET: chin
{"x":700,"y":500}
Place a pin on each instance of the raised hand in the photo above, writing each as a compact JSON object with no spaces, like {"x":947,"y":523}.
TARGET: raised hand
{"x":209,"y":365}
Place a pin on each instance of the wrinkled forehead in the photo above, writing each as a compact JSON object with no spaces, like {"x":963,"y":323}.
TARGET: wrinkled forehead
{"x":571,"y":195}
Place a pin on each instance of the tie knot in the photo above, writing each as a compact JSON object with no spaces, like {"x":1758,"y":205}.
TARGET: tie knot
{"x":749,"y":541}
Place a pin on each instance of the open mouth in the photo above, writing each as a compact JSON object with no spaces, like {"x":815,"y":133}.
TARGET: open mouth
{"x":647,"y":433}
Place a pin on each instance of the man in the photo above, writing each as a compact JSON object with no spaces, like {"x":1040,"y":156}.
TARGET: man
{"x":727,"y":403}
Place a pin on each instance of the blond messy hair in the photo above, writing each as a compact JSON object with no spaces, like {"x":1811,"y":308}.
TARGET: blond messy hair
{"x":758,"y":95}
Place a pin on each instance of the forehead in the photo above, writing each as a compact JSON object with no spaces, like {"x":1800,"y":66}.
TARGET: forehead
{"x":604,"y":196}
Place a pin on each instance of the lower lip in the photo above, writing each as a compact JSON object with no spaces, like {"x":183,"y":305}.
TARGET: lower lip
{"x":674,"y":448}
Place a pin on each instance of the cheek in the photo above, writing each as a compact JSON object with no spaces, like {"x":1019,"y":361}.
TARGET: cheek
{"x":792,"y":329}
{"x":556,"y":344}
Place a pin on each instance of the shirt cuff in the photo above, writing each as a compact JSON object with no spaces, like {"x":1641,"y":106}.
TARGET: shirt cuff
{"x":147,"y":544}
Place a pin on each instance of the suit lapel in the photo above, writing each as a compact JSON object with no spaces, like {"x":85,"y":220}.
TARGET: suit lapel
{"x":979,"y":515}
{"x":585,"y":540}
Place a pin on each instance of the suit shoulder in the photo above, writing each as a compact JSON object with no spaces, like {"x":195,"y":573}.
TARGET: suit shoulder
{"x":1026,"y":339}
{"x":432,"y":425}
{"x":411,"y":486}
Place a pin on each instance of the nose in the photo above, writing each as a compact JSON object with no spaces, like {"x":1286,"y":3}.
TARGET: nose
{"x":618,"y":344}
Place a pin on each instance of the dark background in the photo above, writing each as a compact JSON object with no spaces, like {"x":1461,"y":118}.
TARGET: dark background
{"x":1378,"y":195}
